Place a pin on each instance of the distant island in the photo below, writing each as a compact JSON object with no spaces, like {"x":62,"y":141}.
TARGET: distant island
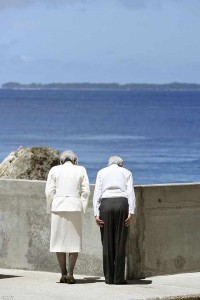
{"x":175,"y":86}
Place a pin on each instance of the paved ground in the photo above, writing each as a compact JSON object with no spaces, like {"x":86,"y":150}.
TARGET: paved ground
{"x":33,"y":285}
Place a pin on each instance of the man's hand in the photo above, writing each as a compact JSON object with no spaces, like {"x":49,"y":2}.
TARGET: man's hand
{"x":128,"y":220}
{"x":99,"y":222}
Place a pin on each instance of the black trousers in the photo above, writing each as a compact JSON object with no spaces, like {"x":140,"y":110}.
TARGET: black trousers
{"x":114,"y":211}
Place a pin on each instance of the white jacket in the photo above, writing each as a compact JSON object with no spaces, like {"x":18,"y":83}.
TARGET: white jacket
{"x":67,"y":188}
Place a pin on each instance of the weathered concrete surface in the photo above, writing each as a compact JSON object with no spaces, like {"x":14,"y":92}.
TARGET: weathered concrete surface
{"x":29,"y":163}
{"x":28,"y":285}
{"x":25,"y":230}
{"x":163,"y":239}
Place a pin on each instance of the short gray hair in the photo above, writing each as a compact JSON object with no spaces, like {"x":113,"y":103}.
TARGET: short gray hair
{"x":115,"y":160}
{"x":68,"y":155}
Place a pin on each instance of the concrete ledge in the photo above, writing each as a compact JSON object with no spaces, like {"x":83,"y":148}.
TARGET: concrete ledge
{"x":25,"y":230}
{"x":163,"y":239}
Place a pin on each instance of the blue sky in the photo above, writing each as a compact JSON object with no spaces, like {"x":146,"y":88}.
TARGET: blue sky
{"x":154,"y":41}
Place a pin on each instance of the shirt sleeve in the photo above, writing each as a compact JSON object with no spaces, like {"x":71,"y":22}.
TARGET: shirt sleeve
{"x":131,"y":194}
{"x":85,"y":190}
{"x":97,"y":195}
{"x":50,"y":190}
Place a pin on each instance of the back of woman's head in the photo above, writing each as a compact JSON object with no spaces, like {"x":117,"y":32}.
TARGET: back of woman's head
{"x":115,"y":160}
{"x":68,"y":155}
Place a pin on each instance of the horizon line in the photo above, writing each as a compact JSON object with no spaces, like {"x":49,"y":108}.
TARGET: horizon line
{"x":101,"y":82}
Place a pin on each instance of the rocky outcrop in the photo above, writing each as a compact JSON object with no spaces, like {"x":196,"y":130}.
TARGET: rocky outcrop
{"x":30,"y":163}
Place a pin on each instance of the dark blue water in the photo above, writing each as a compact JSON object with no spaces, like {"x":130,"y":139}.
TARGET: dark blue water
{"x":157,"y":133}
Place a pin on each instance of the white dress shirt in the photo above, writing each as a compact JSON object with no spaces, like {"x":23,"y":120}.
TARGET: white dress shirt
{"x":114,"y":182}
{"x":67,"y":188}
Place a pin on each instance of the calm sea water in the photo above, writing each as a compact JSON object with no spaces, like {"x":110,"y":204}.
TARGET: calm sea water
{"x":157,"y":133}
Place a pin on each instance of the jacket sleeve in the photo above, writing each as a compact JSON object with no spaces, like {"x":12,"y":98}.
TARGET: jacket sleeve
{"x":131,"y":194}
{"x":97,"y":195}
{"x":85,"y":190}
{"x":50,"y":190}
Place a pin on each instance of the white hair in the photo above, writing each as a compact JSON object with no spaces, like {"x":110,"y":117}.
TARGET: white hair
{"x":115,"y":160}
{"x":68,"y":155}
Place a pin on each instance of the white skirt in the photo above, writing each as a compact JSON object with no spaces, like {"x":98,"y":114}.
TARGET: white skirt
{"x":66,"y":231}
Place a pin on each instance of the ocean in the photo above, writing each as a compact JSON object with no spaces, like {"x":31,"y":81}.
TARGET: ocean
{"x":157,"y":133}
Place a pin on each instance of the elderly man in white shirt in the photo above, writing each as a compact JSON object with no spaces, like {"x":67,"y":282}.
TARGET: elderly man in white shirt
{"x":114,"y":204}
{"x":67,"y":193}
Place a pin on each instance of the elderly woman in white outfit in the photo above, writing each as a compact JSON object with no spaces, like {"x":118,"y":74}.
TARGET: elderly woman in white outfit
{"x":67,"y":193}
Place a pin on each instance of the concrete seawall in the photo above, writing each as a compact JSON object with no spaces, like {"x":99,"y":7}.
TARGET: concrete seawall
{"x":163,"y":239}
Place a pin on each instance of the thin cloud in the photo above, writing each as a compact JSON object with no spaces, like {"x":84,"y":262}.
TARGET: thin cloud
{"x":133,"y":4}
{"x":129,"y":4}
{"x":26,"y":58}
{"x":142,"y":4}
{"x":23,"y":3}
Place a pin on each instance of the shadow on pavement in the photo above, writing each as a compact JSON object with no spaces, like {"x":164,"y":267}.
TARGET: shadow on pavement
{"x":90,"y":280}
{"x":98,"y":279}
{"x":139,"y":281}
{"x":2,"y":276}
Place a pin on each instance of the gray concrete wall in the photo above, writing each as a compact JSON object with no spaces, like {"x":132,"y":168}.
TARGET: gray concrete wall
{"x":163,"y":239}
{"x":25,"y":230}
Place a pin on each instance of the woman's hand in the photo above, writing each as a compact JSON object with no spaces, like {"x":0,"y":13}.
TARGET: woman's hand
{"x":128,"y":220}
{"x":99,"y":222}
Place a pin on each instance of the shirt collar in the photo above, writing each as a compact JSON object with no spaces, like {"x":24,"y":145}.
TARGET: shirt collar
{"x":68,"y":163}
{"x":114,"y":165}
